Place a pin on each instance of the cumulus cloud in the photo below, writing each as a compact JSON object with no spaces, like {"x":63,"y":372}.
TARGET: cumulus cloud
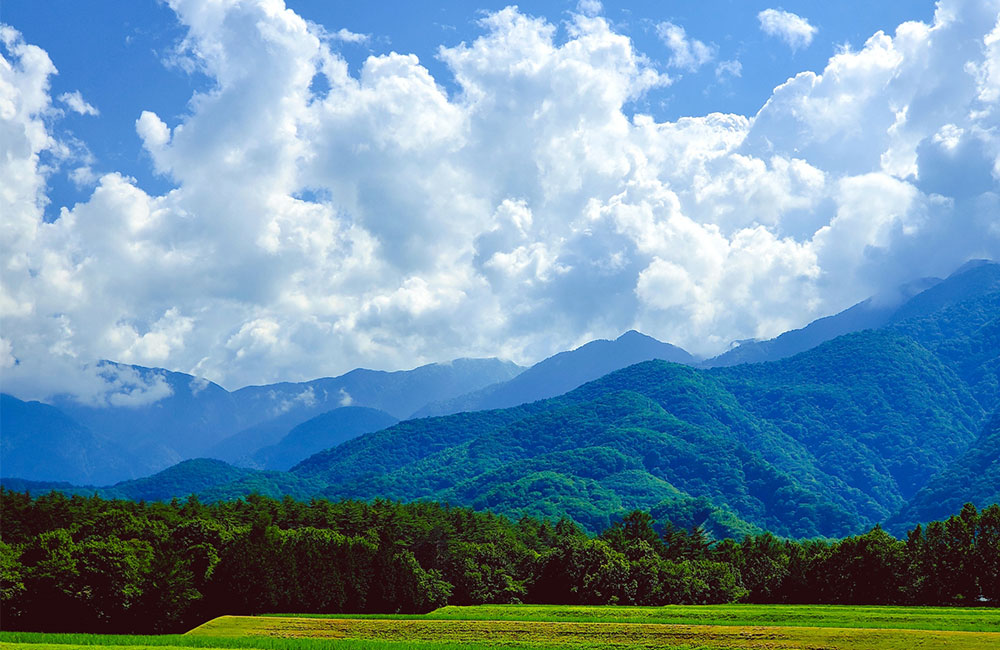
{"x":77,"y":103}
{"x":686,"y":53}
{"x":384,"y":222}
{"x":791,"y":28}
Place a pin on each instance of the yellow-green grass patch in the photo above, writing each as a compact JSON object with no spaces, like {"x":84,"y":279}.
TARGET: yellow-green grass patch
{"x":969,"y":619}
{"x":597,"y":634}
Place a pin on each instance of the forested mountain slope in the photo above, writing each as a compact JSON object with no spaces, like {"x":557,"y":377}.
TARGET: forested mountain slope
{"x":826,"y":442}
{"x":972,"y":478}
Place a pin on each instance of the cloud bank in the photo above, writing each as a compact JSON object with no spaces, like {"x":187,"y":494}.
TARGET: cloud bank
{"x":384,"y":222}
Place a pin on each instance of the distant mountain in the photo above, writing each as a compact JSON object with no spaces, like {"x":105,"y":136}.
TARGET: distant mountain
{"x":868,"y":314}
{"x":972,"y":478}
{"x":322,"y":432}
{"x":969,"y":280}
{"x":184,"y":424}
{"x":40,"y":442}
{"x":563,"y":372}
{"x":398,"y":393}
{"x":70,"y":441}
{"x":273,"y":410}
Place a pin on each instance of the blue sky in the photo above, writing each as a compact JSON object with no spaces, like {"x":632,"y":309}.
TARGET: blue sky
{"x":253,"y":191}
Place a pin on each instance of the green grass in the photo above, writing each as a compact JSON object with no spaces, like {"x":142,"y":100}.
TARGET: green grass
{"x":970,"y":619}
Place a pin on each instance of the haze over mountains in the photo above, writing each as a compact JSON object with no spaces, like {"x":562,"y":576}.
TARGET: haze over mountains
{"x":198,"y":418}
{"x":895,"y":424}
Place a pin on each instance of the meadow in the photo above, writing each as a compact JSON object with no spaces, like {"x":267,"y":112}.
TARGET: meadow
{"x":723,"y":627}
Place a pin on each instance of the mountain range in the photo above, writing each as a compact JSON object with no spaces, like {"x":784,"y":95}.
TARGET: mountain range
{"x":889,"y":415}
{"x":270,"y":426}
{"x":200,"y":418}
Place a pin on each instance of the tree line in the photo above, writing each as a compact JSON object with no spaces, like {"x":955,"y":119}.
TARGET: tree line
{"x":90,"y":564}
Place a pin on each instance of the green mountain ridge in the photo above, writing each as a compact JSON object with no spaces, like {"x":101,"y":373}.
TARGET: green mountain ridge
{"x":871,"y":427}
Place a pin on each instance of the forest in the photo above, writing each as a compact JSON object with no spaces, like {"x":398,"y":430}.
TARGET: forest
{"x":135,"y":567}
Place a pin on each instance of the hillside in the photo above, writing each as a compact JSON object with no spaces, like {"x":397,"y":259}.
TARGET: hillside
{"x":211,"y":480}
{"x":562,"y":372}
{"x":322,"y":432}
{"x":822,"y":443}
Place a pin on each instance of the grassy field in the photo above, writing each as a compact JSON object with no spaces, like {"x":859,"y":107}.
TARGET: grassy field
{"x":971,"y":619}
{"x":725,"y":627}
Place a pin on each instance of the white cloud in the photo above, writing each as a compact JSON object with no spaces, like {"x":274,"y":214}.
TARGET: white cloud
{"x":387,"y":223}
{"x":77,"y":103}
{"x":306,"y":398}
{"x":686,"y":53}
{"x":793,"y":29}
{"x":347,"y":36}
{"x":589,"y":7}
{"x":731,"y":68}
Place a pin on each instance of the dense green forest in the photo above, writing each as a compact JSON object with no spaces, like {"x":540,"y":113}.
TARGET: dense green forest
{"x":125,"y":566}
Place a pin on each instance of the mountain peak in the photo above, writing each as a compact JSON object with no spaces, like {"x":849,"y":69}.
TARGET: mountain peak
{"x":634,"y":335}
{"x":971,"y":264}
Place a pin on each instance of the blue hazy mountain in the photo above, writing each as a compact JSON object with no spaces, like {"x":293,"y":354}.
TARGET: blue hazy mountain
{"x":34,"y":437}
{"x":563,"y":372}
{"x":195,"y":415}
{"x":322,"y":432}
{"x":103,"y":444}
{"x":273,"y":410}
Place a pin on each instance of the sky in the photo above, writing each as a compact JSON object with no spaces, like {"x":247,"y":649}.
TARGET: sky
{"x":254,"y":191}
